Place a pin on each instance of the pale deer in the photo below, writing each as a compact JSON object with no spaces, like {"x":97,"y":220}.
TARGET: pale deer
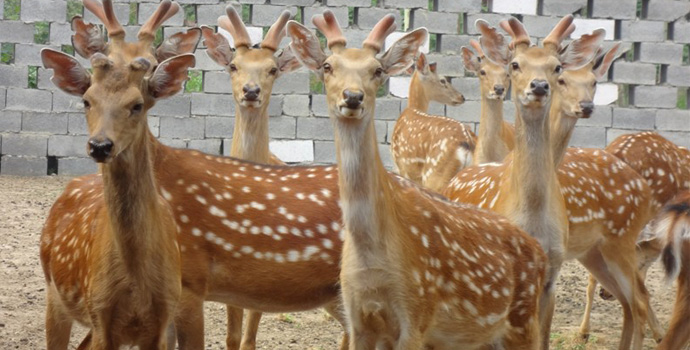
{"x":673,"y":225}
{"x":430,"y":149}
{"x":417,"y":271}
{"x":247,"y":230}
{"x":111,"y":258}
{"x":253,"y":70}
{"x":496,"y":136}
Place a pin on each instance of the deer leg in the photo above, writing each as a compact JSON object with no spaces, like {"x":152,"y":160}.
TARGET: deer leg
{"x":250,"y":330}
{"x":58,"y":322}
{"x":547,"y":300}
{"x":523,"y":337}
{"x":678,"y":334}
{"x":591,"y":288}
{"x":657,"y":330}
{"x":171,"y":335}
{"x":189,"y":321}
{"x":233,"y":339}
{"x":334,"y":309}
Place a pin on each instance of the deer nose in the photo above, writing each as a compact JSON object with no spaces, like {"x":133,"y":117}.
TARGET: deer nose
{"x":499,"y":89}
{"x":539,"y":87}
{"x":251,"y":93}
{"x":587,"y":107}
{"x":353,"y":99}
{"x":100,"y":150}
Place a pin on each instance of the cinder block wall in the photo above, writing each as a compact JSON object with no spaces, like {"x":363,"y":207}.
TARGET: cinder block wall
{"x":43,"y":131}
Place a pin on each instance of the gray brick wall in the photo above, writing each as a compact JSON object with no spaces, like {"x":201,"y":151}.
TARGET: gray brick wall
{"x":39,"y":122}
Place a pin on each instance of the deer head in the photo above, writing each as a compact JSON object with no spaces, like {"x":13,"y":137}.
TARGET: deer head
{"x":353,"y":75}
{"x":439,"y":88}
{"x":253,"y":69}
{"x":494,"y":79}
{"x":126,"y":79}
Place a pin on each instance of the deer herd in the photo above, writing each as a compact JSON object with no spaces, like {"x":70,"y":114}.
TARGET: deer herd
{"x":461,"y":250}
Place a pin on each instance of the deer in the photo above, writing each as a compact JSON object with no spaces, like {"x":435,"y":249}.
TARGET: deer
{"x":600,"y":232}
{"x":253,"y":71}
{"x":496,"y":136}
{"x":430,"y":149}
{"x":416,"y":270}
{"x":111,"y":259}
{"x":246,"y":229}
{"x":673,"y":225}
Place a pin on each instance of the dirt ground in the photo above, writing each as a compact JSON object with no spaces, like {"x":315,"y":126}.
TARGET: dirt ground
{"x":24,"y":204}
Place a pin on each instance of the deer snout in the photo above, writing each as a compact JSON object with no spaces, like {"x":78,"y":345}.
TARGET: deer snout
{"x":251,"y":93}
{"x":499,"y":89}
{"x":353,"y":99}
{"x":100,"y":150}
{"x":539,"y":87}
{"x":587,"y":108}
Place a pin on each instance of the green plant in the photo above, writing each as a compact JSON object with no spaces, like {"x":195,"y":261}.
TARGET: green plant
{"x":247,"y":13}
{"x":41,"y":32}
{"x":190,"y":14}
{"x":682,"y":98}
{"x":159,"y":37}
{"x":383,"y":90}
{"x":68,"y":49}
{"x":7,"y":53}
{"x":350,"y":16}
{"x":33,"y":77}
{"x":195,"y":82}
{"x":12,"y":9}
{"x":287,"y":318}
{"x":132,"y":14}
{"x":315,"y":84}
{"x":74,"y":8}
{"x":433,"y":40}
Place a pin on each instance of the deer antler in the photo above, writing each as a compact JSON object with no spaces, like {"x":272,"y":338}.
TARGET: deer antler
{"x":276,"y":33}
{"x":562,"y":30}
{"x":517,"y":32}
{"x":477,"y":47}
{"x":378,"y":35}
{"x":328,"y":25}
{"x":165,"y":10}
{"x":233,"y":24}
{"x":106,"y":14}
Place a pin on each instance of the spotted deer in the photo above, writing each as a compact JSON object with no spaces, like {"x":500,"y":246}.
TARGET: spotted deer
{"x":111,"y":258}
{"x":246,"y":230}
{"x":606,"y":203}
{"x":673,"y":225}
{"x":417,"y":271}
{"x":430,"y":149}
{"x":496,"y":136}
{"x":253,"y":70}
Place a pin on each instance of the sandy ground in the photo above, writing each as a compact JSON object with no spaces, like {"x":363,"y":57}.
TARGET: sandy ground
{"x":24,"y":204}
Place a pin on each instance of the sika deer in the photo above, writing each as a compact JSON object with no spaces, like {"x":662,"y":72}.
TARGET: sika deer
{"x":417,"y":271}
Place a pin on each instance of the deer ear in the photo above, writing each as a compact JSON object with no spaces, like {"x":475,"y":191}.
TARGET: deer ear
{"x":68,"y":74}
{"x":402,"y":53}
{"x":582,"y":51}
{"x":217,"y":46}
{"x":422,"y":64}
{"x":168,"y":77}
{"x":470,"y":61}
{"x":601,"y":66}
{"x":287,"y":62}
{"x":179,"y":44}
{"x":88,"y":38}
{"x":305,"y":46}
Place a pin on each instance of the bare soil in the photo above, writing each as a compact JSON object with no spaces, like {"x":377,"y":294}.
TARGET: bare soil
{"x":24,"y":204}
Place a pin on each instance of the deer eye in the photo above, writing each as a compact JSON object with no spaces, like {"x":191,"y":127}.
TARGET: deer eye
{"x":482,"y":72}
{"x":327,"y":68}
{"x":137,"y":108}
{"x":379,"y":72}
{"x":233,"y":67}
{"x":86,"y":103}
{"x":273,"y":71}
{"x":595,"y":84}
{"x":444,"y":81}
{"x":558,"y":69}
{"x":515,"y":66}
{"x":561,"y":82}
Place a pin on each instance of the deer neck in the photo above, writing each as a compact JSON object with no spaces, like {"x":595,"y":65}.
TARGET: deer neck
{"x":418,"y":98}
{"x":250,"y":137}
{"x":133,"y":207}
{"x":562,"y":127}
{"x":490,"y":147}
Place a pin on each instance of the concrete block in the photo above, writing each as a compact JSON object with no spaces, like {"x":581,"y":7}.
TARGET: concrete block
{"x":314,"y":128}
{"x":356,"y":36}
{"x":121,"y":12}
{"x":645,"y":31}
{"x":319,"y":105}
{"x":526,"y":7}
{"x":587,"y":26}
{"x":14,"y":76}
{"x":30,"y":145}
{"x":324,"y":152}
{"x":655,"y":96}
{"x":175,"y":106}
{"x":466,"y":112}
{"x":341,"y":13}
{"x":678,"y":75}
{"x":380,"y":126}
{"x":681,"y":31}
{"x":43,"y":10}
{"x":154,"y":125}
{"x":53,"y":123}
{"x":351,"y":3}
{"x":385,"y":154}
{"x":630,"y":118}
{"x":606,"y":94}
{"x":44,"y":82}
{"x":469,"y":87}
{"x":613,"y":133}
{"x":67,"y":146}
{"x":406,"y":3}
{"x":399,"y":86}
{"x":295,"y":2}
{"x":472,"y":6}
{"x":291,"y":151}
{"x":174,"y":143}
{"x":492,"y":18}
{"x":16,"y":32}
{"x":395,"y":36}
{"x":76,"y":166}
{"x":388,"y":108}
{"x":449,"y":66}
{"x":673,"y":119}
{"x":435,"y":22}
{"x":219,"y":126}
{"x":275,"y":106}
{"x":618,"y":9}
{"x":76,"y":124}
{"x":30,"y":54}
{"x":182,"y":128}
{"x":266,"y":15}
{"x":63,"y":102}
{"x":60,"y":33}
{"x":29,"y":100}
{"x":666,"y":53}
{"x":679,"y":138}
{"x":296,"y":83}
{"x":539,"y":26}
{"x":210,"y":146}
{"x":205,"y":63}
{"x":584,"y":136}
{"x":10,"y":121}
{"x":212,"y":104}
{"x":368,"y":18}
{"x":2,"y":8}
{"x":296,"y":105}
{"x":667,"y":10}
{"x":601,"y":117}
{"x":562,"y":7}
{"x":282,"y":127}
{"x":634,"y":73}
{"x":208,"y":14}
{"x":24,"y":166}
{"x":436,"y":108}
{"x":147,"y":9}
{"x":451,"y":44}
{"x":3,"y":96}
{"x":217,"y":82}
{"x":256,"y":34}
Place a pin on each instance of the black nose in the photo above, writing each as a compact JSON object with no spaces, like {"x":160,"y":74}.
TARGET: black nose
{"x":539,"y":87}
{"x":100,"y":150}
{"x":499,"y":89}
{"x":251,"y":93}
{"x":353,"y":98}
{"x":587,"y":107}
